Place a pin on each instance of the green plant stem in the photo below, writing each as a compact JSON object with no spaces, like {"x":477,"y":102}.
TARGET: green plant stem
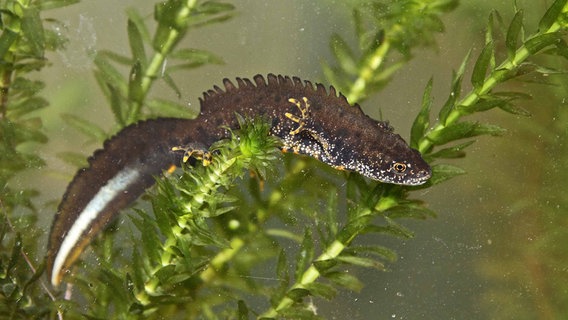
{"x":215,"y":176}
{"x":342,"y":241}
{"x":156,"y":63}
{"x":510,"y":65}
{"x":372,"y":64}
{"x":221,"y":259}
{"x":309,"y":276}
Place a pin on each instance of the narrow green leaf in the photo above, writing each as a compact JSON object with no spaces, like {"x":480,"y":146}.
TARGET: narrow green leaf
{"x":75,"y":159}
{"x":282,"y":270}
{"x":551,"y":15}
{"x":36,"y":275}
{"x":318,"y":289}
{"x":165,"y":272}
{"x":297,"y":294}
{"x":372,"y":43}
{"x":382,"y":77}
{"x":379,"y":251}
{"x":197,"y":56}
{"x":88,"y":128}
{"x":163,"y":215}
{"x":345,"y":280}
{"x":54,"y":4}
{"x":422,"y":120}
{"x":54,"y":40}
{"x":360,"y":29}
{"x":455,"y":91}
{"x":26,"y":106}
{"x":32,"y":28}
{"x":170,"y":82}
{"x":199,"y":21}
{"x":6,"y":39}
{"x":206,"y":237}
{"x":120,"y":59}
{"x":138,"y":21}
{"x":32,"y":64}
{"x":541,"y":41}
{"x":405,"y":211}
{"x":139,"y":273}
{"x":334,"y":77}
{"x":324,"y":265}
{"x":484,"y":104}
{"x":513,"y":33}
{"x":214,"y":7}
{"x":331,"y":213}
{"x":463,"y":130}
{"x":110,"y":74}
{"x":136,"y":44}
{"x":561,"y":49}
{"x":343,"y":54}
{"x":16,"y":254}
{"x":118,"y":104}
{"x":512,"y":95}
{"x":135,"y":90}
{"x":490,"y":25}
{"x":8,"y":289}
{"x":243,"y":311}
{"x":361,"y":262}
{"x":299,"y":311}
{"x":452,"y":152}
{"x":151,"y":243}
{"x":27,"y":130}
{"x":443,"y":172}
{"x":353,"y":227}
{"x":513,"y":109}
{"x":218,"y":210}
{"x":481,"y":66}
{"x":26,"y":86}
{"x":392,"y":229}
{"x":165,"y":10}
{"x":305,"y":255}
{"x":177,"y":278}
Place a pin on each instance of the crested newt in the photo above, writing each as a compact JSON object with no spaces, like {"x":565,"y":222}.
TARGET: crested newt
{"x":308,"y":118}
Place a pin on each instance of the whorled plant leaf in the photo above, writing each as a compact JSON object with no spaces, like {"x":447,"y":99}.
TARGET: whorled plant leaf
{"x":136,"y":43}
{"x":461,"y":130}
{"x":514,"y":32}
{"x":455,"y":91}
{"x":88,"y":128}
{"x":422,"y":120}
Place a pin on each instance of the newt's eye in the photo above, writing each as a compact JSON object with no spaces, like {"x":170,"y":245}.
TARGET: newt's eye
{"x":399,"y":167}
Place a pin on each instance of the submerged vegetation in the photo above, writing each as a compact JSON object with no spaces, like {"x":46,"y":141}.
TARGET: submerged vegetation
{"x":222,"y":244}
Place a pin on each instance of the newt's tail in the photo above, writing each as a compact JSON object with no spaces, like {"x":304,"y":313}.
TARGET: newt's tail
{"x":117,"y":175}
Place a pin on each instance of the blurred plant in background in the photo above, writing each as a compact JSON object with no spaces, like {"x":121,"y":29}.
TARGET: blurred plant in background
{"x":204,"y":251}
{"x":23,"y":44}
{"x":527,"y":270}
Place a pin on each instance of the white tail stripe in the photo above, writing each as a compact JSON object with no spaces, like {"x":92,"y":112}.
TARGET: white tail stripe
{"x":106,"y":194}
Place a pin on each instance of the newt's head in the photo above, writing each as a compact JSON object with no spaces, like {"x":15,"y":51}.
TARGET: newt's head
{"x":380,"y":154}
{"x":399,"y":165}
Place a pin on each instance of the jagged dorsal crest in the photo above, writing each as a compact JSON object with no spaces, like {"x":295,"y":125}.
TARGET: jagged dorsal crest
{"x":244,"y":89}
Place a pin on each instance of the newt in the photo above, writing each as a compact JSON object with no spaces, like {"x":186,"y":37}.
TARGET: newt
{"x":308,"y":118}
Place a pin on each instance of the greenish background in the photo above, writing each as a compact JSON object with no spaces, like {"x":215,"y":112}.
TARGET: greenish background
{"x":468,"y":263}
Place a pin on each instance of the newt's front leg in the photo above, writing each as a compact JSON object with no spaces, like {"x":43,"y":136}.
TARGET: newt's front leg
{"x":309,"y":136}
{"x":198,"y":153}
